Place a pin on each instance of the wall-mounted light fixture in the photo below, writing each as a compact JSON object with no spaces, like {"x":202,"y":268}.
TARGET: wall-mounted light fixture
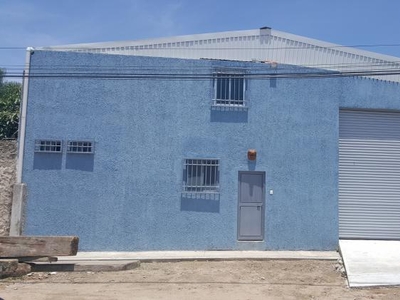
{"x":252,"y":154}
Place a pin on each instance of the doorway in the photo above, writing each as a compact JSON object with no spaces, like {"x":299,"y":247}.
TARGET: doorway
{"x":251,"y":206}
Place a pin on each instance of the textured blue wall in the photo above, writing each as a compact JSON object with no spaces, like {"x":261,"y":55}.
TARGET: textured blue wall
{"x":363,"y":93}
{"x":127,"y":196}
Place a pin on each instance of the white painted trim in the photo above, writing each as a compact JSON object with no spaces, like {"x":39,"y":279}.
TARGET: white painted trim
{"x":17,"y":209}
{"x":22,"y":120}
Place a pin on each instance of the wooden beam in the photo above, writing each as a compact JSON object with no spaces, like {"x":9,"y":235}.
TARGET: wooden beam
{"x":37,"y":246}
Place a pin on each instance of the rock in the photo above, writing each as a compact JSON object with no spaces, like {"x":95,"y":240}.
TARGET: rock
{"x":8,"y":266}
{"x":11,"y":268}
{"x":22,"y":269}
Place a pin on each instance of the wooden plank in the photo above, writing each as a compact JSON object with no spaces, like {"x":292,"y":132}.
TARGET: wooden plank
{"x":36,"y":246}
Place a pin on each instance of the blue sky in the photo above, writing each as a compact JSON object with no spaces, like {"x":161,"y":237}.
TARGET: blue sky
{"x":54,"y":22}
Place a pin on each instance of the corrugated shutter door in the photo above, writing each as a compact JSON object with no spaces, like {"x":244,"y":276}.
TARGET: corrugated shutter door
{"x":369,"y":175}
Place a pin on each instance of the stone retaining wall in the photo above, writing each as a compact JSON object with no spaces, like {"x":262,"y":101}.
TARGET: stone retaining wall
{"x":8,"y":154}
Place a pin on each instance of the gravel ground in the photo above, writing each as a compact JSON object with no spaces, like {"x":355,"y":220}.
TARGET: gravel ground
{"x":302,"y":279}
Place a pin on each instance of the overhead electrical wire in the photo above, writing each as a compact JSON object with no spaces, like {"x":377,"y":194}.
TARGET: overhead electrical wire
{"x":257,"y":64}
{"x":193,"y":69}
{"x":136,"y":70}
{"x":204,"y":76}
{"x":376,"y":67}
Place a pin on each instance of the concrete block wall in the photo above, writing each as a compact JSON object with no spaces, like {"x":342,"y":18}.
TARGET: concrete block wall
{"x":127,"y":195}
{"x":8,"y":154}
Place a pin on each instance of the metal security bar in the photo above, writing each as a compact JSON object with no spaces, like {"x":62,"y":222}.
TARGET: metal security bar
{"x":201,"y":176}
{"x":81,"y":147}
{"x":48,"y":146}
{"x":229,"y":89}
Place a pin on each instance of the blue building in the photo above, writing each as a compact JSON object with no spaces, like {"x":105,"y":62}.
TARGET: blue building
{"x":216,"y":141}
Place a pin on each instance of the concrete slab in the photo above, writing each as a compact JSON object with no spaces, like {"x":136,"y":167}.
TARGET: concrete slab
{"x":371,"y":263}
{"x":201,"y":255}
{"x":85,"y":266}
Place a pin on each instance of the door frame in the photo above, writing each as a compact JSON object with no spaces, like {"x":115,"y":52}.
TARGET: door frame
{"x":263,"y":173}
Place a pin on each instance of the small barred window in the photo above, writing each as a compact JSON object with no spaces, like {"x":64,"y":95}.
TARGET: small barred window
{"x":48,"y":146}
{"x":81,"y":147}
{"x":201,"y":176}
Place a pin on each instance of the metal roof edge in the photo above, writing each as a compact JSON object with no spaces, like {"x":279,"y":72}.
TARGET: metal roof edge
{"x":170,"y":39}
{"x":225,"y":34}
{"x":320,"y":43}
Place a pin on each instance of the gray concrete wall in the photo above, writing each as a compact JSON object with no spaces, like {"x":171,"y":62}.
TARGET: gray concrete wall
{"x":8,"y":154}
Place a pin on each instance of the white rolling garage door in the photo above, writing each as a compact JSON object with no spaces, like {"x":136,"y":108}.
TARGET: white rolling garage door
{"x":369,"y":175}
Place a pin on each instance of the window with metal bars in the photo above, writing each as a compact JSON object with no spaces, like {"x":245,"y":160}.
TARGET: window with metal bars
{"x":48,"y":146}
{"x":80,"y":147}
{"x":201,"y":176}
{"x":229,"y":89}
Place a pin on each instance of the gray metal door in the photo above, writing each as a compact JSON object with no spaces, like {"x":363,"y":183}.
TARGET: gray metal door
{"x":251,"y":206}
{"x":369,"y":175}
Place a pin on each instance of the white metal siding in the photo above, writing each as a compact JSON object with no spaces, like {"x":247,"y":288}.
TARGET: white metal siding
{"x":247,"y":45}
{"x":369,"y":175}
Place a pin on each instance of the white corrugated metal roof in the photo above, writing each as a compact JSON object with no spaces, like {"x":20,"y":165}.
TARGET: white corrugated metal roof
{"x":263,"y":44}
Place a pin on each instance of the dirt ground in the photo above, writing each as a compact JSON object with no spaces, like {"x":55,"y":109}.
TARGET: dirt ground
{"x":224,"y":280}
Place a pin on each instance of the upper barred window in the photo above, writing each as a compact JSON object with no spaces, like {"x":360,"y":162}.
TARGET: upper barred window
{"x":229,"y":89}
